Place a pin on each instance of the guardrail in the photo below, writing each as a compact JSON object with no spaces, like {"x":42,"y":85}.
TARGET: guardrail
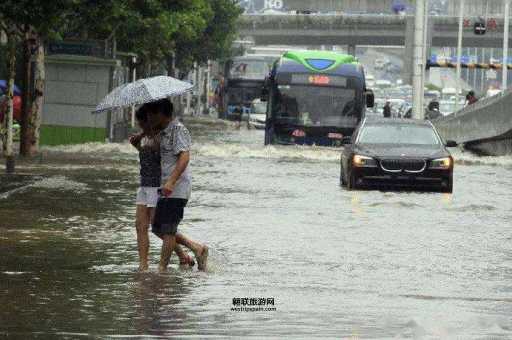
{"x":488,"y":118}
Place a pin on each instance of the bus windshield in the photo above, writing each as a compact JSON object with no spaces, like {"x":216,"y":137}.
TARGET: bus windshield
{"x":314,"y":105}
{"x":249,"y":69}
{"x":238,"y":95}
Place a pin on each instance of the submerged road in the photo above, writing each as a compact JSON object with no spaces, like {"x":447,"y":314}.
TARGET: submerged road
{"x":337,"y":264}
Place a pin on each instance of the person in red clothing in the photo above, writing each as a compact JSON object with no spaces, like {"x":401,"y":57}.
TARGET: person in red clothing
{"x":16,"y":100}
{"x":471,"y":98}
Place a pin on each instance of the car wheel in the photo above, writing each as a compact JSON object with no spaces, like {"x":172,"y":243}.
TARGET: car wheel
{"x":449,"y":188}
{"x":343,"y":181}
{"x":352,"y":182}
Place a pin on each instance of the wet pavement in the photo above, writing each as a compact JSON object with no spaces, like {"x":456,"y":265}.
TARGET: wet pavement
{"x":338,"y":264}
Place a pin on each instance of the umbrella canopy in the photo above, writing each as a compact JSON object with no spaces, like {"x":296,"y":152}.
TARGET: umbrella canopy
{"x":143,"y":91}
{"x":3,"y":88}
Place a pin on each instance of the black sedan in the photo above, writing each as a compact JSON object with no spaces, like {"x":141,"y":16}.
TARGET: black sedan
{"x":397,"y":153}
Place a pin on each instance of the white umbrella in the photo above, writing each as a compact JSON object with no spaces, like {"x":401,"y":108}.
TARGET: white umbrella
{"x":143,"y":91}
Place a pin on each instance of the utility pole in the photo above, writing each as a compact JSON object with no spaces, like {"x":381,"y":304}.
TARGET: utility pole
{"x":426,"y":44}
{"x":459,"y":54}
{"x":134,"y":78}
{"x":505,"y":46}
{"x":419,"y":62}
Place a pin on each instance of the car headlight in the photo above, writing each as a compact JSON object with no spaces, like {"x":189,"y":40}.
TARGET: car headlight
{"x":360,"y":161}
{"x":441,"y":163}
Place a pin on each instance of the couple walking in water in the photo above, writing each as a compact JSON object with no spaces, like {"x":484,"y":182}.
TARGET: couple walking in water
{"x":165,"y":185}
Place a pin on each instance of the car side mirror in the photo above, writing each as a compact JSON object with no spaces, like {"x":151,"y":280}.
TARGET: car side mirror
{"x":451,"y":144}
{"x":370,"y":98}
{"x":347,"y":140}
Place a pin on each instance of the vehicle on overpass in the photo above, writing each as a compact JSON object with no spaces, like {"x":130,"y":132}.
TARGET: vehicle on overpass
{"x":397,"y":153}
{"x":244,"y":77}
{"x":315,"y":98}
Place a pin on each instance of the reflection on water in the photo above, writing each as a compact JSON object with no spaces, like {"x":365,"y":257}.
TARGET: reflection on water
{"x":339,"y":264}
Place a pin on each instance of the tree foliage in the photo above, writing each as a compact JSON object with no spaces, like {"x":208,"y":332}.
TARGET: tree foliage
{"x":214,"y":42}
{"x":192,"y":30}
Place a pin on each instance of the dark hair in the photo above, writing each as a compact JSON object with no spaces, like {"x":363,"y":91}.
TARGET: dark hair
{"x":166,"y":107}
{"x":142,"y":113}
{"x":163,"y":106}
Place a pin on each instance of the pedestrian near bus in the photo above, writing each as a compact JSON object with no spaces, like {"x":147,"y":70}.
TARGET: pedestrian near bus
{"x":176,"y":183}
{"x":148,"y":144}
{"x":386,"y":111}
{"x":471,"y":98}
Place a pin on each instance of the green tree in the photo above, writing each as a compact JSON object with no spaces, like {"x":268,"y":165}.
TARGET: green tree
{"x":33,"y":22}
{"x":214,"y":42}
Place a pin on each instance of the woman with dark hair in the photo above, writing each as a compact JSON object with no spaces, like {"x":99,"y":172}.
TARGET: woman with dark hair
{"x":148,"y":144}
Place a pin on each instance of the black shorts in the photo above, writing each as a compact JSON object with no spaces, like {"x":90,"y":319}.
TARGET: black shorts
{"x":168,"y":215}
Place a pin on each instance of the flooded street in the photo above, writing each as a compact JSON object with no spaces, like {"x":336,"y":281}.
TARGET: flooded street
{"x":338,"y":264}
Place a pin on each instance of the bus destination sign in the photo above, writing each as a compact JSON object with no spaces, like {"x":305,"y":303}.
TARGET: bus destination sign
{"x":319,"y":80}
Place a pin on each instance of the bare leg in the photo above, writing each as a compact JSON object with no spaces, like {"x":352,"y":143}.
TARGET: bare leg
{"x":141,"y":225}
{"x":183,"y":256}
{"x":168,"y":245}
{"x":200,"y":250}
{"x":196,"y":247}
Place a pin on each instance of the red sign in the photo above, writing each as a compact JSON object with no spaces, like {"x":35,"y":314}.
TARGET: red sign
{"x":298,"y":133}
{"x":319,"y":80}
{"x":492,"y":24}
{"x":467,"y":23}
{"x":333,"y":135}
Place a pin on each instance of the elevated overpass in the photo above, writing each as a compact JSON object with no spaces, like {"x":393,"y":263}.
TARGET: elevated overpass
{"x":348,"y":29}
{"x":353,"y":30}
{"x":484,"y":127}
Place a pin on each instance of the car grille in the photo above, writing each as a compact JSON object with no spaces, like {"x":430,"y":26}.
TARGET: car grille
{"x":399,"y":165}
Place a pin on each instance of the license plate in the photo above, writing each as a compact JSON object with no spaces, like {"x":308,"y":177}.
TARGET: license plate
{"x":403,"y":177}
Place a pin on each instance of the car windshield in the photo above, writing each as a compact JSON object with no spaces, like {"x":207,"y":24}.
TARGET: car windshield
{"x":314,"y":105}
{"x":398,"y":134}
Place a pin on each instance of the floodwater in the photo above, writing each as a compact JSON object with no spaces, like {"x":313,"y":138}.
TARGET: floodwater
{"x":338,"y":264}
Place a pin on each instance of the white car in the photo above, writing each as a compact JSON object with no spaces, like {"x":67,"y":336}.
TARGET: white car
{"x":258,"y":115}
{"x":492,"y":92}
{"x":370,"y":80}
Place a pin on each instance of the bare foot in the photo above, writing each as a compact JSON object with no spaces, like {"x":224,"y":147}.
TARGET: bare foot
{"x":188,"y":261}
{"x":202,"y":258}
{"x":143,"y":268}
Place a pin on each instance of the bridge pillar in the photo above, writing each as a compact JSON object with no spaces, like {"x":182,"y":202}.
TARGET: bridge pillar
{"x":351,"y":49}
{"x":409,"y":47}
{"x":409,"y":51}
